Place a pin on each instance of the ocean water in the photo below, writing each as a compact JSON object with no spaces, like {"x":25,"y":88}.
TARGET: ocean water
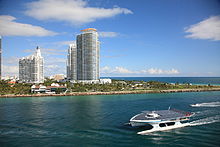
{"x":193,"y":80}
{"x":100,"y":120}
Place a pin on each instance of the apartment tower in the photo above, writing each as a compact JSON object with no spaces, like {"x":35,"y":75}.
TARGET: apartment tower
{"x":72,"y":62}
{"x":31,"y":68}
{"x":83,"y":59}
{"x":88,"y":55}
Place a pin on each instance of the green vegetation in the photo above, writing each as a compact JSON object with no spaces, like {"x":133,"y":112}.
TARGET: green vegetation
{"x":48,"y":82}
{"x":121,"y":85}
{"x":17,"y":88}
{"x":116,"y":85}
{"x":79,"y":87}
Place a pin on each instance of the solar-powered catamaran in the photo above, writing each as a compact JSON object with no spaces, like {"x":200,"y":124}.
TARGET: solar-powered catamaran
{"x":161,"y":120}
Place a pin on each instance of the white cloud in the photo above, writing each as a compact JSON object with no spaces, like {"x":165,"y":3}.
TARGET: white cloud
{"x":10,"y":66}
{"x":10,"y":70}
{"x":8,"y":27}
{"x":151,"y":71}
{"x":10,"y":60}
{"x":108,"y":34}
{"x":66,"y":42}
{"x":155,"y":71}
{"x":51,"y":66}
{"x":47,"y":52}
{"x":105,"y":69}
{"x":73,"y":11}
{"x":116,"y":70}
{"x":122,"y":70}
{"x":54,"y":68}
{"x":206,"y":29}
{"x":54,"y":60}
{"x":54,"y":65}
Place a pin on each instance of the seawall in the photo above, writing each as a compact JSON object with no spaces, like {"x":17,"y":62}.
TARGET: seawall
{"x":112,"y":92}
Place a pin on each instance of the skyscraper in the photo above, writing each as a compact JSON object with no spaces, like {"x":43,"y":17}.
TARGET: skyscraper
{"x":88,"y":55}
{"x":83,"y":59}
{"x":0,"y":57}
{"x":31,"y":68}
{"x":71,"y":62}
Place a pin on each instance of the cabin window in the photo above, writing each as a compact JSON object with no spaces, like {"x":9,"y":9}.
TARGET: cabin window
{"x":170,"y":123}
{"x":184,"y":118}
{"x":162,"y":125}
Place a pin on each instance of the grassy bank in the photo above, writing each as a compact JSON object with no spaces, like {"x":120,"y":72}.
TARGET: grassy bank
{"x":113,"y":92}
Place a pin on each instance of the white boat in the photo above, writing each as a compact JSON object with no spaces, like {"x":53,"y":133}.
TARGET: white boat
{"x":161,"y":120}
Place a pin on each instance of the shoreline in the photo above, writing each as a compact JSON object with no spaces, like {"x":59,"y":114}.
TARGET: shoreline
{"x":112,"y":92}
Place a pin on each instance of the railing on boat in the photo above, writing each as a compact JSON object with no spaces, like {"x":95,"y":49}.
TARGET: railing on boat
{"x":183,"y":112}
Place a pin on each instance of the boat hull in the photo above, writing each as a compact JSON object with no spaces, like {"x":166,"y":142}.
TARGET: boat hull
{"x":137,"y":124}
{"x":142,"y":123}
{"x":157,"y":128}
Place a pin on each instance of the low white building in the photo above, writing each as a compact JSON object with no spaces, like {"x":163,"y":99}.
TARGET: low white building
{"x":48,"y":89}
{"x":38,"y":89}
{"x":88,"y":81}
{"x":105,"y":81}
{"x":100,"y":81}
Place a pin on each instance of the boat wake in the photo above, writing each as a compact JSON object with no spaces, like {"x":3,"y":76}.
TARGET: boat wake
{"x":205,"y":121}
{"x":199,"y":122}
{"x":211,"y":104}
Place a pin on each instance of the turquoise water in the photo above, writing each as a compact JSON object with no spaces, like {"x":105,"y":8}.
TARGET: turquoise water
{"x":193,"y":80}
{"x":99,"y":120}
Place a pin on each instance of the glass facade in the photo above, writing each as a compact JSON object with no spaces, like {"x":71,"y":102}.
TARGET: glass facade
{"x":72,"y":63}
{"x":88,"y":55}
{"x":83,"y":57}
{"x":31,"y":68}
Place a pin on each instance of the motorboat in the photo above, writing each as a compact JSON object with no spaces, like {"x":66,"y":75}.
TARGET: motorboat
{"x":161,"y":120}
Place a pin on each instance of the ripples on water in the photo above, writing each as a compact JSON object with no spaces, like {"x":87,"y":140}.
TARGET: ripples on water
{"x":99,"y":120}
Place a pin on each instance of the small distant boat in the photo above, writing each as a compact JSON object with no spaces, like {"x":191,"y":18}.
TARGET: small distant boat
{"x":195,"y":105}
{"x":161,"y":120}
{"x":210,"y":104}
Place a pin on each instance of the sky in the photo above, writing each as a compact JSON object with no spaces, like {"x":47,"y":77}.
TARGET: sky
{"x":139,"y":38}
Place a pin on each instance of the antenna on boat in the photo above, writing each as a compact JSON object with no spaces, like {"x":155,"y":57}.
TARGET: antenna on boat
{"x":169,"y":107}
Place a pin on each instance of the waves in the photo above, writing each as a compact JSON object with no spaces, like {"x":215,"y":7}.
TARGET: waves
{"x":211,"y":104}
{"x":211,"y":115}
{"x":205,"y":121}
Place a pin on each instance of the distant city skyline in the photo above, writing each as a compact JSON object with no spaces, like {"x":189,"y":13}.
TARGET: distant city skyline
{"x":141,"y":38}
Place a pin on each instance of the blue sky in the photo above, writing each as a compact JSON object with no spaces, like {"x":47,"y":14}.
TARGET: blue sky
{"x":138,"y":37}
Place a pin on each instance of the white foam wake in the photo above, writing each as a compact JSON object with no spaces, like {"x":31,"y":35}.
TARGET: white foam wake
{"x":199,"y":122}
{"x":204,"y":121}
{"x":211,"y":104}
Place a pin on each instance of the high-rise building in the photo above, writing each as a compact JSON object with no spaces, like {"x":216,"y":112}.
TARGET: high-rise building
{"x":31,"y":68}
{"x":83,"y":59}
{"x":0,"y":57}
{"x":88,"y":55}
{"x":71,"y":62}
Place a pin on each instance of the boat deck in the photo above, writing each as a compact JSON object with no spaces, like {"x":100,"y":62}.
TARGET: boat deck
{"x":163,"y":115}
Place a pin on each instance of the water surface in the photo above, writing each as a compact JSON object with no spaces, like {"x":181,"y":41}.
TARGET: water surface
{"x":99,"y":120}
